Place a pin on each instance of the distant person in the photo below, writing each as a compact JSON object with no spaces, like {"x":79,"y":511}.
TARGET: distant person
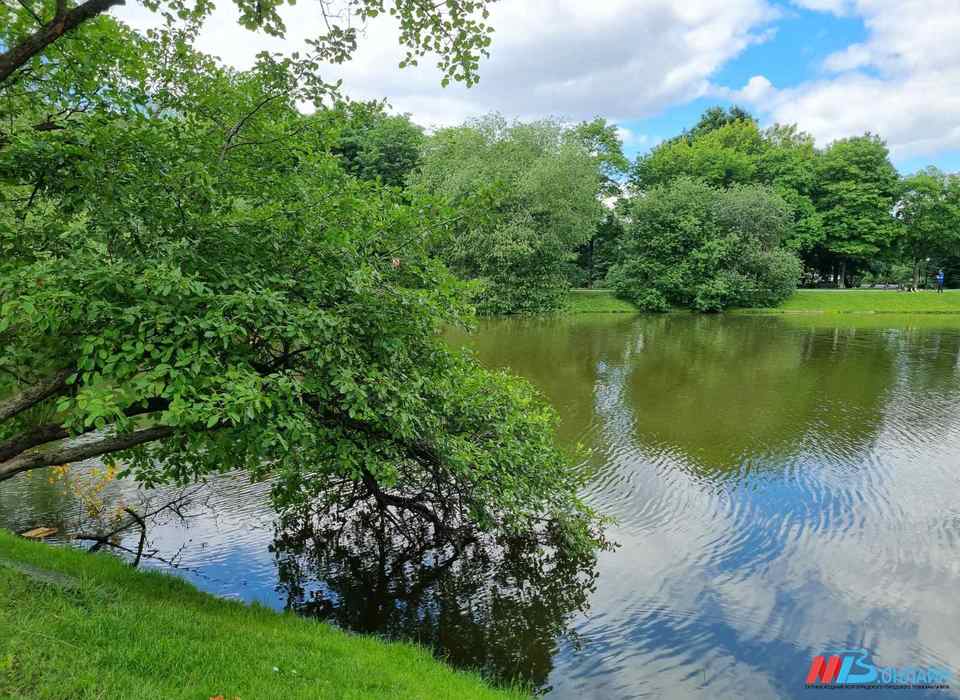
{"x":940,"y":282}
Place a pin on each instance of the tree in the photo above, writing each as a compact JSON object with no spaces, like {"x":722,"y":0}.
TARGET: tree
{"x":603,"y":143}
{"x":716,"y":118}
{"x":721,"y":156}
{"x":855,"y":194}
{"x":374,"y":145}
{"x":691,"y":245}
{"x":525,"y":197}
{"x":190,"y":283}
{"x":788,"y":165}
{"x":929,"y":211}
{"x":597,"y":255}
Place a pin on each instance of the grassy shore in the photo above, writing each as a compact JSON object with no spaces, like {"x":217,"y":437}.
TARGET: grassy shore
{"x":79,"y":626}
{"x":822,"y":301}
{"x":867,"y":301}
{"x":597,"y":301}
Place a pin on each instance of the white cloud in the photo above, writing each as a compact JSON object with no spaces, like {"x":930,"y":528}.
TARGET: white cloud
{"x":757,"y":89}
{"x":622,"y":59}
{"x":838,"y":7}
{"x":900,"y":82}
{"x":632,"y":138}
{"x":627,"y":59}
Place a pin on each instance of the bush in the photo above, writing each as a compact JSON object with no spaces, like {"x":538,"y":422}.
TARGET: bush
{"x":691,"y":245}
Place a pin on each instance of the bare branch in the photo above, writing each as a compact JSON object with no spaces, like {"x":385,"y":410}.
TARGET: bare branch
{"x":240,"y":124}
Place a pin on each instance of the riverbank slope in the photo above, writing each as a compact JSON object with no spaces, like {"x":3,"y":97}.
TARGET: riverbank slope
{"x":90,"y":626}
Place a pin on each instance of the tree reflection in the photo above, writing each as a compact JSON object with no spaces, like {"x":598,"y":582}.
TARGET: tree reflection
{"x":501,"y":608}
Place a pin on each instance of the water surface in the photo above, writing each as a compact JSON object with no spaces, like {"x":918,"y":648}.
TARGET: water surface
{"x":781,"y":486}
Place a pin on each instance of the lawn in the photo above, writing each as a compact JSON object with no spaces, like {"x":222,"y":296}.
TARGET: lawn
{"x":868,"y":301}
{"x":590,"y":301}
{"x":79,"y":626}
{"x":582,"y":301}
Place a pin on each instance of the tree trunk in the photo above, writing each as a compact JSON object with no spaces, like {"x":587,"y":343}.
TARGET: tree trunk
{"x":65,"y":21}
{"x":842,"y":282}
{"x":916,"y":275}
{"x":590,"y":274}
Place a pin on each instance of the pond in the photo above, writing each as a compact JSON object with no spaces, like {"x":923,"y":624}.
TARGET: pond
{"x":782,"y":486}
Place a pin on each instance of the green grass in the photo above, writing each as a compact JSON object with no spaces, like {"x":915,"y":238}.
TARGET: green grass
{"x":593,"y":301}
{"x":89,"y":626}
{"x":867,"y":301}
{"x":877,"y":301}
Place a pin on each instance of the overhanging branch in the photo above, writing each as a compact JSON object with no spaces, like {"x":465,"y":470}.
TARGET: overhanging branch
{"x":77,"y":451}
{"x":33,"y":395}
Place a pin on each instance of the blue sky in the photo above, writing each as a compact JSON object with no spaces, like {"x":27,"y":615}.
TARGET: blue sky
{"x":799,"y":44}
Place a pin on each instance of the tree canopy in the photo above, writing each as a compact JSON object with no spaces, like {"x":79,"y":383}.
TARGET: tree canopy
{"x":856,"y":190}
{"x":929,"y":211}
{"x":193,"y":279}
{"x":526,"y":195}
{"x":375,"y":145}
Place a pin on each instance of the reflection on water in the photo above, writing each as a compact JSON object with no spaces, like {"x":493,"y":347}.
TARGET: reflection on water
{"x":502,"y":609}
{"x":782,"y":486}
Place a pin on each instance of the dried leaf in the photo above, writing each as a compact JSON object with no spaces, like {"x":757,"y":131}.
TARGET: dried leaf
{"x":38,"y":533}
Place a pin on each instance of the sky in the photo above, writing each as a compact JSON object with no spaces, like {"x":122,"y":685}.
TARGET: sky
{"x":836,"y":68}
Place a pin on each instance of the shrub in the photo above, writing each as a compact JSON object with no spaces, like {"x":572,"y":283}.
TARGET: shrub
{"x":691,"y":245}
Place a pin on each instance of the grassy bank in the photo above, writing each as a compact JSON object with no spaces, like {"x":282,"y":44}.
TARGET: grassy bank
{"x":867,"y":301}
{"x":78,"y":626}
{"x":597,"y":301}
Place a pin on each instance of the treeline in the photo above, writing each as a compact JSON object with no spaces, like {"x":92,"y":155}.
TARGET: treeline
{"x":724,"y":214}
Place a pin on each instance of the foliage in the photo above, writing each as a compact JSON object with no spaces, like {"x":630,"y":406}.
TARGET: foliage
{"x":525,"y":196}
{"x":714,"y":118}
{"x":721,"y":156}
{"x":727,"y":149}
{"x":189,"y":279}
{"x":688,"y":244}
{"x":856,"y":191}
{"x":788,"y":164}
{"x":929,"y":211}
{"x":603,"y":143}
{"x":374,"y":145}
{"x":595,"y":257}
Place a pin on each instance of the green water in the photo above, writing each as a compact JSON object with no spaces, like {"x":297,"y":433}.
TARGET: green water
{"x":782,"y":486}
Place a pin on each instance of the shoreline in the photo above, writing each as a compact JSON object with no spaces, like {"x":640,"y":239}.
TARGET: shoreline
{"x":147,"y":634}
